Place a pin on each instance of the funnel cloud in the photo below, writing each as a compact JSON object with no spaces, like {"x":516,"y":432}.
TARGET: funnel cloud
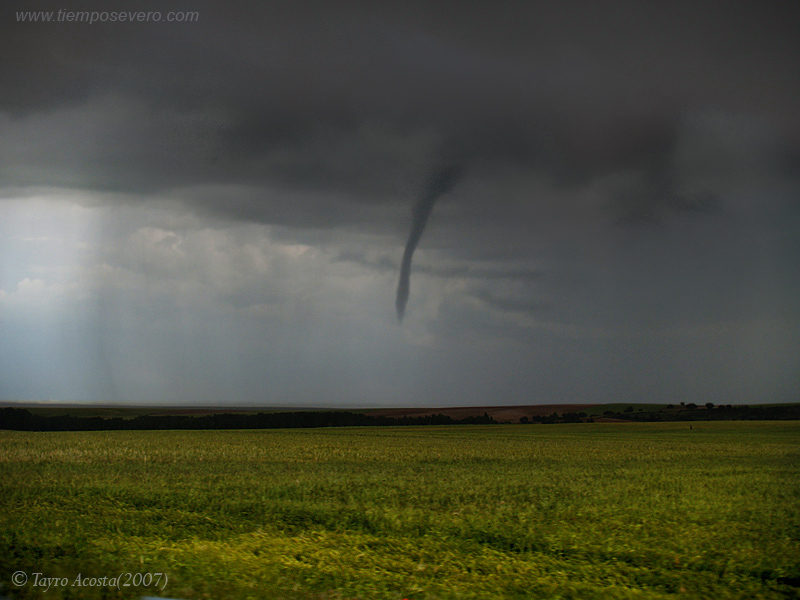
{"x":441,"y":182}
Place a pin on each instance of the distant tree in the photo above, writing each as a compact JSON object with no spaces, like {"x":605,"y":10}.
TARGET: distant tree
{"x":670,"y":406}
{"x":629,"y":409}
{"x":683,"y":404}
{"x":608,"y":413}
{"x":691,"y":405}
{"x":709,"y":405}
{"x":524,"y":420}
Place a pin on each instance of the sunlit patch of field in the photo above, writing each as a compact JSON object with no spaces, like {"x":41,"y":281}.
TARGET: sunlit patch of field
{"x":572,"y":511}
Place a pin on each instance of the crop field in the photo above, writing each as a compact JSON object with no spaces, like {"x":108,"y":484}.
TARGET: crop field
{"x":604,"y":510}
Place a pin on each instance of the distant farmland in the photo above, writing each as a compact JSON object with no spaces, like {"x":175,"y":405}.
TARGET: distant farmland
{"x":33,"y":417}
{"x":603,"y":510}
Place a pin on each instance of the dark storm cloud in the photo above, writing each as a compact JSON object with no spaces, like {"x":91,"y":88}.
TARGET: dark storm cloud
{"x":355,"y":98}
{"x":315,"y":116}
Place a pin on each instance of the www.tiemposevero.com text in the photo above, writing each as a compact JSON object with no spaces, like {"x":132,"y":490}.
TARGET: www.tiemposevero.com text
{"x":90,"y":17}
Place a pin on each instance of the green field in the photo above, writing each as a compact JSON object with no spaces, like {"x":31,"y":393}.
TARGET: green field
{"x":561,"y":511}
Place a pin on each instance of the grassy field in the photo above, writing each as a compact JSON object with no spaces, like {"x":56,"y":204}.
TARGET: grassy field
{"x":507,"y":511}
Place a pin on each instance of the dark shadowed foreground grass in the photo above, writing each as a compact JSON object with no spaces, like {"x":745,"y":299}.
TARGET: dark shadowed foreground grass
{"x":561,"y":511}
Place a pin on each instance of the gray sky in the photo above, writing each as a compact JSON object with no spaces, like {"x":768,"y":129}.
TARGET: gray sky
{"x":215,"y":212}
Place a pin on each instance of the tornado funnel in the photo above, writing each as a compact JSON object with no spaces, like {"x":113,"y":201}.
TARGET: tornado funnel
{"x":441,"y":182}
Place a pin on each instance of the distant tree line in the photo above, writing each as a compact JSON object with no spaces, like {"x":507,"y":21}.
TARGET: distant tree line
{"x":567,"y":417}
{"x":691,"y":412}
{"x":682,"y":412}
{"x":21,"y":419}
